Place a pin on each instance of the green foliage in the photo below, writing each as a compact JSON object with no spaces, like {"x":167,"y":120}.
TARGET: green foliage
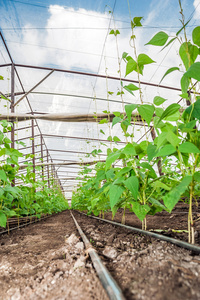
{"x":152,"y":175}
{"x":196,"y":36}
{"x":170,"y":70}
{"x":31,"y":200}
{"x":159,"y":39}
{"x":146,"y":111}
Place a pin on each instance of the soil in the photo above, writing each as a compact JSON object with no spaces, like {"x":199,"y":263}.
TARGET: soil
{"x":173,"y":225}
{"x":46,"y":260}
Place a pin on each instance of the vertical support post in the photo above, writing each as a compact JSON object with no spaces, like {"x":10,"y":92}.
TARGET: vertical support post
{"x":42,"y":156}
{"x":33,"y":144}
{"x":52,"y":174}
{"x":12,"y":110}
{"x":48,"y":169}
{"x":153,"y":135}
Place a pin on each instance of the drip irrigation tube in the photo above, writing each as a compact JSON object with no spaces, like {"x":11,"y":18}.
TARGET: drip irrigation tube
{"x":179,"y":243}
{"x":109,"y":284}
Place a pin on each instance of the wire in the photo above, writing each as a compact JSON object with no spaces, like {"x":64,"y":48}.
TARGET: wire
{"x":82,"y":13}
{"x":65,"y":7}
{"x":88,"y":28}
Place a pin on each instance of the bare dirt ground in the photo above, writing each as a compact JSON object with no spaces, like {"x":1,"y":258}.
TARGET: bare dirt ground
{"x":173,"y":225}
{"x":46,"y":260}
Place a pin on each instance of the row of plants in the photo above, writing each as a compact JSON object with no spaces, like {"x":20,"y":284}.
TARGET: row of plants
{"x":156,"y":174}
{"x":31,"y":198}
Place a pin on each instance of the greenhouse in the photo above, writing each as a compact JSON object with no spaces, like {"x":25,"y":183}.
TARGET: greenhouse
{"x":100,"y":149}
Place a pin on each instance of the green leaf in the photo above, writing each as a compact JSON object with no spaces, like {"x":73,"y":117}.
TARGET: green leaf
{"x":151,"y":151}
{"x":197,"y":176}
{"x":136,"y":21}
{"x":170,"y":110}
{"x":173,"y":117}
{"x":183,"y":27}
{"x":132,"y":184}
{"x":146,"y":111}
{"x":124,"y":55}
{"x":115,"y":193}
{"x":188,"y":54}
{"x":117,"y":113}
{"x":159,"y":111}
{"x":3,"y":219}
{"x":119,"y":180}
{"x":157,"y":203}
{"x":144,"y":59}
{"x":129,"y":108}
{"x":130,"y":88}
{"x":102,"y":131}
{"x":1,"y":77}
{"x":100,"y":175}
{"x":103,"y":121}
{"x":140,"y":210}
{"x":184,"y":84}
{"x":124,"y":125}
{"x":173,"y":138}
{"x":166,"y":150}
{"x":110,"y":174}
{"x":159,"y":184}
{"x":170,"y":70}
{"x":188,"y":147}
{"x":11,"y":213}
{"x":147,"y":166}
{"x":116,"y":139}
{"x":194,"y":109}
{"x":194,"y":71}
{"x":116,"y":120}
{"x":196,"y":36}
{"x":159,"y":39}
{"x":3,"y":176}
{"x":158,"y":100}
{"x":129,"y":149}
{"x":172,"y":198}
{"x":131,"y":66}
{"x":123,"y":171}
{"x":112,"y":158}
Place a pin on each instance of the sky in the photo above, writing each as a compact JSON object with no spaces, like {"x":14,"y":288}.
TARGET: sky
{"x":74,"y":35}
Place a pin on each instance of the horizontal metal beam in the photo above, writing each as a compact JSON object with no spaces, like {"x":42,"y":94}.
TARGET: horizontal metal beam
{"x":80,"y":138}
{"x":98,"y":75}
{"x":79,"y":152}
{"x":62,"y":164}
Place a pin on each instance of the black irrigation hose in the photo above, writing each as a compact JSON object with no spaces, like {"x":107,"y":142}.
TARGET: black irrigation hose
{"x":112,"y":289}
{"x":193,"y":248}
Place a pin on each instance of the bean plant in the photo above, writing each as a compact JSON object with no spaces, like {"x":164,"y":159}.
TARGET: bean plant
{"x":33,"y":197}
{"x":152,"y":176}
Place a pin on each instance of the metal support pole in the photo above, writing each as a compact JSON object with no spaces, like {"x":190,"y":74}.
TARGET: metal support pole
{"x":33,"y":145}
{"x":48,"y":169}
{"x":12,"y":110}
{"x":42,"y":156}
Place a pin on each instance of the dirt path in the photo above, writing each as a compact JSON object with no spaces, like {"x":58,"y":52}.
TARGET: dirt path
{"x":46,"y":261}
{"x":144,"y":268}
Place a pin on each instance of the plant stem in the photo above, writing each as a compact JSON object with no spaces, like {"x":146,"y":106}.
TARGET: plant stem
{"x":123,"y":216}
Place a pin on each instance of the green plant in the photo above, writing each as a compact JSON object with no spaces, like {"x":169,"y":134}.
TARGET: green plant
{"x":152,"y":175}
